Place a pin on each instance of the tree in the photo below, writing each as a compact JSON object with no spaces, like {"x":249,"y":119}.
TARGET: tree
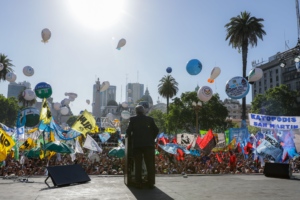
{"x":25,"y":102}
{"x":9,"y":110}
{"x":167,"y":88}
{"x":278,"y":101}
{"x":242,"y":31}
{"x":159,"y":118}
{"x":7,"y":66}
{"x":212,"y":114}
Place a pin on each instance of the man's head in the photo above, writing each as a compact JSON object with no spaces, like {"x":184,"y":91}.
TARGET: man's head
{"x":139,"y":110}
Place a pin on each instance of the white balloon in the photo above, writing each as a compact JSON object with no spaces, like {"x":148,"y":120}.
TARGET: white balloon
{"x":88,"y":102}
{"x":1,"y":66}
{"x":64,"y":110}
{"x":71,"y":95}
{"x":46,"y":34}
{"x":57,"y":106}
{"x":110,"y":116}
{"x":124,"y":104}
{"x":214,"y":74}
{"x":125,"y":114}
{"x":11,"y":77}
{"x":205,"y":93}
{"x":28,"y":71}
{"x":28,"y":94}
{"x":121,"y":43}
{"x":65,"y":102}
{"x":105,"y":85}
{"x":255,"y":74}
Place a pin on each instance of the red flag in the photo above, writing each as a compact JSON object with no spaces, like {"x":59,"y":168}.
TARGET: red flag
{"x":208,"y":142}
{"x":218,"y":157}
{"x":248,"y":148}
{"x":189,"y":146}
{"x":174,"y":140}
{"x":198,"y":141}
{"x":162,"y":141}
{"x":238,"y":148}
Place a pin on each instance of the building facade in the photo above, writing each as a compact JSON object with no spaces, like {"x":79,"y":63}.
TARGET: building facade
{"x":134,"y":92}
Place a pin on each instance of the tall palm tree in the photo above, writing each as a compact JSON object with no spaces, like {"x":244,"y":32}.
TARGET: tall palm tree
{"x":167,"y":88}
{"x":242,"y":31}
{"x":7,"y":66}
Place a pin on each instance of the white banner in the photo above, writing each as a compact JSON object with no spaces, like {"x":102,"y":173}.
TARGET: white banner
{"x":274,"y":122}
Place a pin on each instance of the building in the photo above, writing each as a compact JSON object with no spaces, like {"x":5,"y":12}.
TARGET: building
{"x":134,"y":92}
{"x":279,"y":69}
{"x":234,"y":108}
{"x":14,"y":89}
{"x":108,"y":95}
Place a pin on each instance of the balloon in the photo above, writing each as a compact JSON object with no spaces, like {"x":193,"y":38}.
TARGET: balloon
{"x":124,"y":104}
{"x":169,"y":69}
{"x":255,"y":74}
{"x":237,"y":87}
{"x":205,"y":93}
{"x":65,"y":102}
{"x":43,"y":90}
{"x":28,"y":71}
{"x":71,"y":95}
{"x":110,"y":116}
{"x":1,"y":66}
{"x":11,"y":77}
{"x":194,"y":67}
{"x":46,"y":34}
{"x":32,"y":116}
{"x":64,"y":110}
{"x":104,"y":86}
{"x":88,"y":102}
{"x":214,"y":74}
{"x":121,"y":43}
{"x":57,"y":106}
{"x":28,"y":94}
{"x":125,"y":114}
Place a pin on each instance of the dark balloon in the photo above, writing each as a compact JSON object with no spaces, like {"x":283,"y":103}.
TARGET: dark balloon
{"x":169,"y":70}
{"x":194,"y":67}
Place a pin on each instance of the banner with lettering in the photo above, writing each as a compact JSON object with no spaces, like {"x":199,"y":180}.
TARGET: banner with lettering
{"x":274,"y":122}
{"x":84,"y":123}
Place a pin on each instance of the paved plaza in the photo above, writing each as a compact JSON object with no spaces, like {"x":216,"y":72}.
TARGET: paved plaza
{"x":223,"y":187}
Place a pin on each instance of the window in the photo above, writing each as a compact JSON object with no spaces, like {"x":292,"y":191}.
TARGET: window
{"x":276,"y":71}
{"x":259,"y":83}
{"x":259,"y":90}
{"x":289,"y":86}
{"x":270,"y":72}
{"x":271,"y":80}
{"x":277,"y":78}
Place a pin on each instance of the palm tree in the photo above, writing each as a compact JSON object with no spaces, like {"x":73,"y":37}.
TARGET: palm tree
{"x":167,"y":88}
{"x":7,"y":66}
{"x":242,"y":31}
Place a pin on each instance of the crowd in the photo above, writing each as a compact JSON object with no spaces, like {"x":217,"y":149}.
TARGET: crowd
{"x":165,"y":163}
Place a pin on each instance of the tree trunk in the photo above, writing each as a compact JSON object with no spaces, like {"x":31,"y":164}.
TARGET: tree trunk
{"x":244,"y":57}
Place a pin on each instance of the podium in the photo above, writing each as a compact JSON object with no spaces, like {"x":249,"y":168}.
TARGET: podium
{"x":129,"y":173}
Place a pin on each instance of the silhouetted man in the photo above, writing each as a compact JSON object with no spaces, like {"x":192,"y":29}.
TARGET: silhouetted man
{"x":142,"y":131}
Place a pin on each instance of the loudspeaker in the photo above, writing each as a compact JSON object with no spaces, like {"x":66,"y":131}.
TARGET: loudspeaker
{"x":278,"y":170}
{"x":63,"y":175}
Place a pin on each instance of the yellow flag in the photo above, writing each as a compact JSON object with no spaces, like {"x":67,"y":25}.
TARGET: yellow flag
{"x":32,"y":130}
{"x":51,"y":138}
{"x":48,"y":154}
{"x":84,"y":123}
{"x":45,"y":113}
{"x":6,"y":143}
{"x":28,"y":144}
{"x":110,"y":130}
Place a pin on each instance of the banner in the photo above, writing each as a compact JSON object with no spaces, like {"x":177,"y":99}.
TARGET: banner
{"x":185,"y":139}
{"x":240,"y":134}
{"x":274,"y":122}
{"x":91,"y":144}
{"x":6,"y":143}
{"x":45,"y":114}
{"x":270,"y":149}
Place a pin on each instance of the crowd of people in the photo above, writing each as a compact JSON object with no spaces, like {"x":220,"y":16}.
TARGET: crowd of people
{"x":165,"y":163}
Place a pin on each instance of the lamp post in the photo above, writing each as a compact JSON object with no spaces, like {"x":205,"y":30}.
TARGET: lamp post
{"x":197,"y":106}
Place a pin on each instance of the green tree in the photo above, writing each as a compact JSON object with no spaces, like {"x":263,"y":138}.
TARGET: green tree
{"x":182,"y":116}
{"x":7,"y":66}
{"x":159,"y":118}
{"x":278,"y":101}
{"x":9,"y":110}
{"x":25,"y":103}
{"x":168,"y":88}
{"x":242,"y":31}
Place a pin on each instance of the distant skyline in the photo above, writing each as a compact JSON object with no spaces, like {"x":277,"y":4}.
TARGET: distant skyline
{"x":158,"y":33}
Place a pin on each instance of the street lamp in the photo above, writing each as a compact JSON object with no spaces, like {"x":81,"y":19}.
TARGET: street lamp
{"x":197,"y":106}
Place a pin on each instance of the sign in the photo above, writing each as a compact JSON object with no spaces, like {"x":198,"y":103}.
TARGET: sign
{"x":43,"y":90}
{"x":274,"y":122}
{"x":240,"y":134}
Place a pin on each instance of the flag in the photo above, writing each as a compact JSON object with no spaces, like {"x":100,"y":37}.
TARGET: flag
{"x":84,"y":123}
{"x":91,"y":144}
{"x":219,"y":158}
{"x":8,"y":130}
{"x":6,"y":143}
{"x":27,"y":145}
{"x":104,"y":137}
{"x":174,"y":140}
{"x":207,"y":143}
{"x":247,"y":148}
{"x":238,"y":148}
{"x":227,"y":136}
{"x":203,"y":132}
{"x":78,"y":148}
{"x":45,"y":114}
{"x":231,"y":145}
{"x":20,"y":132}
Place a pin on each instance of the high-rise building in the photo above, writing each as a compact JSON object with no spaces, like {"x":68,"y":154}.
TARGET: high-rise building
{"x":279,"y":69}
{"x":96,"y":105}
{"x":108,"y":95}
{"x":14,"y":88}
{"x":134,"y":92}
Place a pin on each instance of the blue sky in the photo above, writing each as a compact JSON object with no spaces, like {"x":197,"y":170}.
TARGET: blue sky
{"x":159,"y":34}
